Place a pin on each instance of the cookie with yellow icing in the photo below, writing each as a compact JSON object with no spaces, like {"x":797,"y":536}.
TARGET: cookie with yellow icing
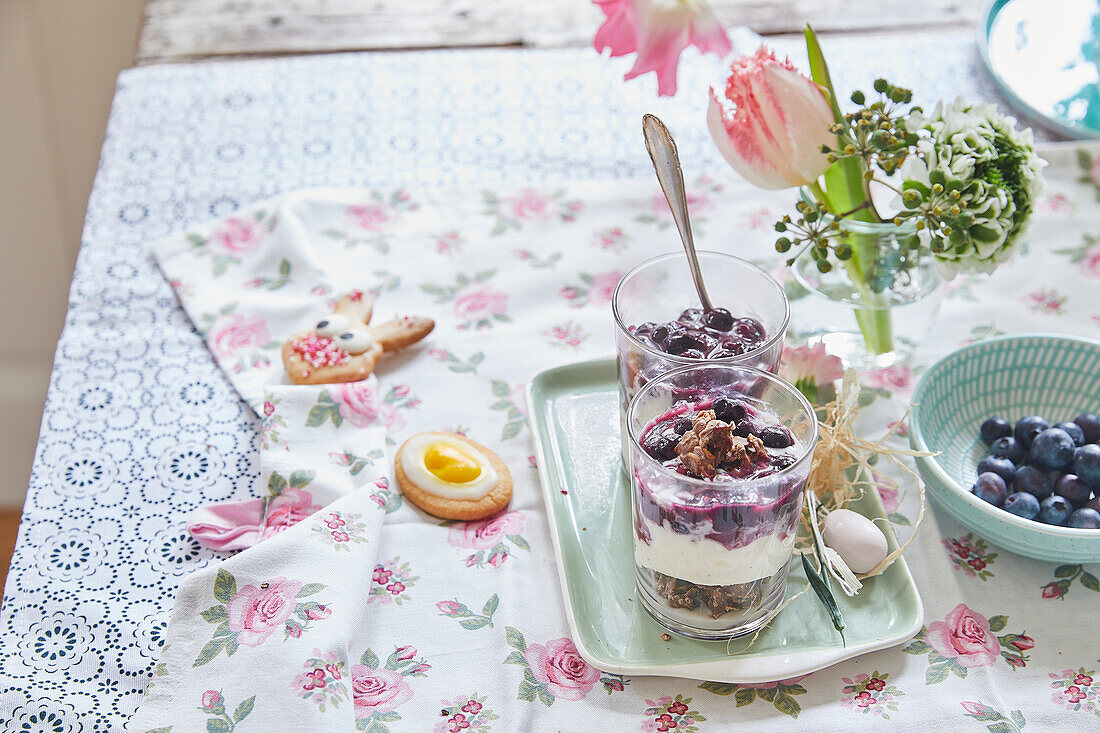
{"x":452,"y":477}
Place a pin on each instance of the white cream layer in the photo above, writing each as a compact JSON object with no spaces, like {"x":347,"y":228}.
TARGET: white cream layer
{"x":412,"y":460}
{"x":706,"y":562}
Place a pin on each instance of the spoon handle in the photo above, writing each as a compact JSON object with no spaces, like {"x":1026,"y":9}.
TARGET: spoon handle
{"x":666,"y":162}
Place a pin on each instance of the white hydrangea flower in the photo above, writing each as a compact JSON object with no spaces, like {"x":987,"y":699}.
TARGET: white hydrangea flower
{"x":977,"y":145}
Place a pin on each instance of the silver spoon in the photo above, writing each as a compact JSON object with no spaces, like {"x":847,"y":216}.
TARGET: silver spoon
{"x":666,"y":162}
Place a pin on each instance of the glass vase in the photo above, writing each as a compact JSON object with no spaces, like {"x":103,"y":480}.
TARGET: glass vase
{"x":875,"y":308}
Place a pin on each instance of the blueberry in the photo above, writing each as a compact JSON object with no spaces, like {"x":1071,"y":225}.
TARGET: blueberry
{"x":1027,"y":428}
{"x":783,"y":460}
{"x":661,"y":446}
{"x":727,"y":410}
{"x":682,"y":425}
{"x":1033,"y":481}
{"x":645,"y":329}
{"x":1052,"y":449}
{"x":994,"y":428}
{"x":1084,"y":519}
{"x":1007,"y":447}
{"x":1094,"y":503}
{"x":1086,"y":464}
{"x":749,"y":329}
{"x":719,"y":319}
{"x":1074,"y":431}
{"x":737,"y":346}
{"x":1000,"y":466}
{"x":1071,"y":488}
{"x":776,"y":436}
{"x":1054,"y":510}
{"x":691,"y":317}
{"x":683,"y":341}
{"x":990,"y":488}
{"x":1022,"y":504}
{"x":1089,"y":422}
{"x":661,"y":333}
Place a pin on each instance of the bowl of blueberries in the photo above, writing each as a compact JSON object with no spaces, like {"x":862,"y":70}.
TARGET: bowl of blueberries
{"x":1015,"y":422}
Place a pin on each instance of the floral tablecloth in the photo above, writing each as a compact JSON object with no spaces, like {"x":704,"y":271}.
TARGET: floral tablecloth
{"x":140,"y":427}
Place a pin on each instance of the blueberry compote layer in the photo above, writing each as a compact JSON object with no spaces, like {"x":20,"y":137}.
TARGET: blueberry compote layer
{"x":699,"y":334}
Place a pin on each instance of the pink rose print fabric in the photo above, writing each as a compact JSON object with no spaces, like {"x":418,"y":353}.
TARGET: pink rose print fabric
{"x":964,"y":636}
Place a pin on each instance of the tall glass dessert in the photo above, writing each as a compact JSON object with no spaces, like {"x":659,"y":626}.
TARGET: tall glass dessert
{"x":719,"y":457}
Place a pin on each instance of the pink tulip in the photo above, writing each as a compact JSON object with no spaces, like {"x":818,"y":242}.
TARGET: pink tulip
{"x":776,"y":120}
{"x":659,"y":31}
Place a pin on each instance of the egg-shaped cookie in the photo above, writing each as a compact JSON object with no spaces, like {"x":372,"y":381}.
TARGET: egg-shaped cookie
{"x":452,"y":477}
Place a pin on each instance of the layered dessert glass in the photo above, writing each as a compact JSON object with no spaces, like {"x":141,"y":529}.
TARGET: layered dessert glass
{"x":719,"y":457}
{"x":659,"y":325}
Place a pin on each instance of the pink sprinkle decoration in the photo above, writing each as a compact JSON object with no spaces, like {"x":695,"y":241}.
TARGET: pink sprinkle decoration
{"x":320,"y":351}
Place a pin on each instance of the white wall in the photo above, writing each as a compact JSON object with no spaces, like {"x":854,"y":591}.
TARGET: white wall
{"x":58,"y":63}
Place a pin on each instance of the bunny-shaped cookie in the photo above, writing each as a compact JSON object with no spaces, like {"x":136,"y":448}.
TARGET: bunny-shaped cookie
{"x":344,"y":347}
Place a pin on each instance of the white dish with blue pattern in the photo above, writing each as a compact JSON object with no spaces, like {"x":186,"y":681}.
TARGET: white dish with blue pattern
{"x":1013,"y":376}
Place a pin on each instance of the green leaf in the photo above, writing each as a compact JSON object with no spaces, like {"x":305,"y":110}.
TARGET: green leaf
{"x":298,"y":479}
{"x":512,"y":429}
{"x":490,"y":606}
{"x":474,"y":623}
{"x":484,"y":275}
{"x":515,"y":657}
{"x":284,"y":268}
{"x":515,"y":639}
{"x":745,"y":697}
{"x":477,"y":358}
{"x":1000,"y":727}
{"x":1084,"y":159}
{"x":918,"y":647}
{"x":369,"y":659}
{"x":165,"y":729}
{"x":997,"y":623}
{"x":217,"y":725}
{"x":719,"y":688}
{"x":959,"y":670}
{"x":768,"y":694}
{"x":220,"y":264}
{"x":243,"y":709}
{"x":935,"y":674}
{"x":787,"y":705}
{"x":500,"y":389}
{"x":1018,"y":719}
{"x":527,"y":691}
{"x":1089,"y":581}
{"x":275,"y":485}
{"x":334,"y":233}
{"x":211,"y":650}
{"x":196,"y":240}
{"x":214,"y":615}
{"x":1067,"y":571}
{"x":544,"y":696}
{"x":391,"y":717}
{"x":231,"y":645}
{"x":225,"y":586}
{"x":309,"y":589}
{"x":823,"y":594}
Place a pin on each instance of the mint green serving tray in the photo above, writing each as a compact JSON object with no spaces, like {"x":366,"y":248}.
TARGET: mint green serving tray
{"x":574,"y":417}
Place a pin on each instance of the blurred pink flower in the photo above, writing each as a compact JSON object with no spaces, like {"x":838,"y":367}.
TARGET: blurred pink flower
{"x":659,"y":31}
{"x":812,"y":363}
{"x":772,"y":122}
{"x":897,"y":379}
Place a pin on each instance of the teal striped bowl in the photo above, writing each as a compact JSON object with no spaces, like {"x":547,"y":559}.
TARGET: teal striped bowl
{"x":1057,"y":377}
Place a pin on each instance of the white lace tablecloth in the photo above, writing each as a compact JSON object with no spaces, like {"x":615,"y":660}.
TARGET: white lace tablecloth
{"x":140,"y":427}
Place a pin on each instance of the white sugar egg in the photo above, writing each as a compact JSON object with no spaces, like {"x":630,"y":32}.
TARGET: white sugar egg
{"x":857,"y":540}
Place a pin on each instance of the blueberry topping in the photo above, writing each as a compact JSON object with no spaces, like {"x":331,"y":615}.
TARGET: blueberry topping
{"x":718,"y":319}
{"x":783,"y":460}
{"x":660,"y":334}
{"x":682,"y":425}
{"x":727,"y":410}
{"x":994,"y":428}
{"x":749,"y":328}
{"x":776,"y":436}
